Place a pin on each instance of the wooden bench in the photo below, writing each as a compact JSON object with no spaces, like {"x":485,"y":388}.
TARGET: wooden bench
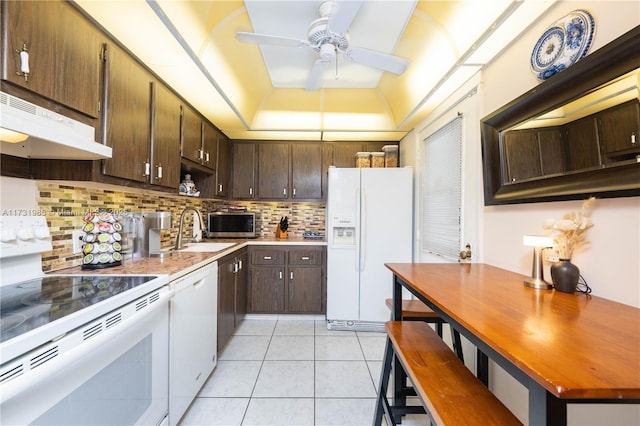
{"x":450,"y":394}
{"x":415,"y":310}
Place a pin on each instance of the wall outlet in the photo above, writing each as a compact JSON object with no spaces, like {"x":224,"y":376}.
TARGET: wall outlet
{"x":551,"y":255}
{"x":76,"y":237}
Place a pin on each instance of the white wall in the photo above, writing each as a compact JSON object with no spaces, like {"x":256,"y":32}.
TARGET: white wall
{"x":610,"y":263}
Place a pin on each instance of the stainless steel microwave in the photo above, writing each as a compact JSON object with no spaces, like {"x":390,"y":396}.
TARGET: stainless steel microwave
{"x":231,"y":225}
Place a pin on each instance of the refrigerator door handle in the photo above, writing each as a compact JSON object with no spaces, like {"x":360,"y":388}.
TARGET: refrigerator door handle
{"x":357,"y":230}
{"x":363,"y":229}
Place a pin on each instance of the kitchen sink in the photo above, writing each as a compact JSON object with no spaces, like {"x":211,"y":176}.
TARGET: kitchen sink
{"x":204,"y":247}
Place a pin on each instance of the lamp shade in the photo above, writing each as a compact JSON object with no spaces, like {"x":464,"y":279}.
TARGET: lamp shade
{"x":537,"y":241}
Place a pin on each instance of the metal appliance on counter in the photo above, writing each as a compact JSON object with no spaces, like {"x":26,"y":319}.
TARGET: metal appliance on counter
{"x":142,"y":233}
{"x":231,"y":225}
{"x":78,"y":349}
{"x":369,"y":222}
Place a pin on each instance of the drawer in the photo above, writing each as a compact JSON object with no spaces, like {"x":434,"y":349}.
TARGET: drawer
{"x":306,"y":256}
{"x":267,"y":256}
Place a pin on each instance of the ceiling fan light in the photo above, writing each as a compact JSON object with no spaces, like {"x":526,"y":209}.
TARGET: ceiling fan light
{"x":327,"y":52}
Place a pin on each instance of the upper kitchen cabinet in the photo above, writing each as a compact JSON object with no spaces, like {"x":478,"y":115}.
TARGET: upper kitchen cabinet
{"x":243,"y":172}
{"x":619,"y":129}
{"x":165,"y":139}
{"x":306,"y":171}
{"x":127,"y":116}
{"x":53,"y":50}
{"x":191,"y":135}
{"x":273,"y":171}
{"x":199,"y":139}
{"x":222,"y":167}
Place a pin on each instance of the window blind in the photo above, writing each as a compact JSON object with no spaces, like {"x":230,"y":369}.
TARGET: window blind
{"x":441,"y":210}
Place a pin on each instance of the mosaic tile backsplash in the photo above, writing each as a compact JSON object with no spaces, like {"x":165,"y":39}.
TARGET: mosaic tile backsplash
{"x":65,"y":205}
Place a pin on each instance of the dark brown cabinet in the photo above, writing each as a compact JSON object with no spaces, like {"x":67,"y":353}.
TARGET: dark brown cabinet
{"x":209,"y":146}
{"x":273,"y":171}
{"x":222,"y":167}
{"x":534,"y":153}
{"x":287,"y":280}
{"x":232,"y":294}
{"x":306,"y":171}
{"x":243,"y":175}
{"x":344,"y":153}
{"x":619,"y":129}
{"x":583,"y":150}
{"x":191,"y":135}
{"x":63,"y":50}
{"x":127,"y":116}
{"x":165,"y":139}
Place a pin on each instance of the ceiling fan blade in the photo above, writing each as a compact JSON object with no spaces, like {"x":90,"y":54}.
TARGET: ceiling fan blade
{"x":379,"y":60}
{"x":315,"y":77}
{"x":271,"y":39}
{"x":344,"y":14}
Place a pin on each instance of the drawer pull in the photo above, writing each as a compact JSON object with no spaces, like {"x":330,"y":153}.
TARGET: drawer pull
{"x":305,"y":258}
{"x":267,"y":257}
{"x":280,"y":273}
{"x":291,"y":275}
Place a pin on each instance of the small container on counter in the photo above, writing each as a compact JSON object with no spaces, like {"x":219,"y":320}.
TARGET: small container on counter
{"x":363,"y":159}
{"x":390,"y":155}
{"x":377,"y":159}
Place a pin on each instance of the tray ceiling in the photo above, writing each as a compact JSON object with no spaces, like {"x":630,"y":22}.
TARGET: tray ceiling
{"x":256,"y":91}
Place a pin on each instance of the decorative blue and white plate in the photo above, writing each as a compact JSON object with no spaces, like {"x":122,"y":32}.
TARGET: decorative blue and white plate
{"x":564,"y":43}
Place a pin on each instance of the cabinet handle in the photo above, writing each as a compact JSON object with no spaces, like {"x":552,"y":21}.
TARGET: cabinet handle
{"x":147,"y":168}
{"x":250,"y":191}
{"x":280,"y":273}
{"x":200,"y":154}
{"x":159,"y":171}
{"x":633,"y":138}
{"x":24,"y":63}
{"x":206,"y":157}
{"x":239,"y":265}
{"x":266,"y":257}
{"x":284,"y":191}
{"x":291,"y":275}
{"x":305,"y":257}
{"x":294,"y":192}
{"x":220,"y":188}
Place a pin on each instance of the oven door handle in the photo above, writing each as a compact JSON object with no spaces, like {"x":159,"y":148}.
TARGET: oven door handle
{"x":134,"y":327}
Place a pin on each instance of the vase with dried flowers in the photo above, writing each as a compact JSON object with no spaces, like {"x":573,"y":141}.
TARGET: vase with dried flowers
{"x":569,"y":234}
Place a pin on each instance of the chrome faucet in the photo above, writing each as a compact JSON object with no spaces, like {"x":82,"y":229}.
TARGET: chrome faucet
{"x":181,"y":224}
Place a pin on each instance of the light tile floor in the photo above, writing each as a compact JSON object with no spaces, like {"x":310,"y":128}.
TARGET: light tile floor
{"x":293,"y":372}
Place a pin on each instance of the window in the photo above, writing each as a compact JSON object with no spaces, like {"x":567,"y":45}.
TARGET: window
{"x":442,"y":199}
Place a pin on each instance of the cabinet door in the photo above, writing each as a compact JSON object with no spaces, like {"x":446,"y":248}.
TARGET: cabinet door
{"x":306,"y":171}
{"x":273,"y":170}
{"x":165,"y":143}
{"x":304,"y":290}
{"x":222,"y":167}
{"x":226,"y":301}
{"x":583,"y":151}
{"x":522,"y":153}
{"x":209,"y":146}
{"x":344,"y":153}
{"x":128,"y":111}
{"x":63,"y":48}
{"x":242,"y":278}
{"x":266,"y":289}
{"x":191,"y":135}
{"x":243,"y":180}
{"x":619,"y":128}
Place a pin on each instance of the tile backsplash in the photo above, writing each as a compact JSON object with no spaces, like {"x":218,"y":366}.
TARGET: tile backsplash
{"x":66,"y":203}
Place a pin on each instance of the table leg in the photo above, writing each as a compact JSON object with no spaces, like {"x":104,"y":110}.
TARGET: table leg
{"x":544,"y":408}
{"x":482,"y":367}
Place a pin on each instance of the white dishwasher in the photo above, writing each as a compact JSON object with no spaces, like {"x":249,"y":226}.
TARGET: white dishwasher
{"x":192,"y":336}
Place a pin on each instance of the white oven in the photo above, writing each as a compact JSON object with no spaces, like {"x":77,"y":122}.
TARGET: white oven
{"x":81,"y":349}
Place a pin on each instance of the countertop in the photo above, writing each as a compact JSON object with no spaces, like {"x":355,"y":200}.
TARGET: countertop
{"x":181,"y":263}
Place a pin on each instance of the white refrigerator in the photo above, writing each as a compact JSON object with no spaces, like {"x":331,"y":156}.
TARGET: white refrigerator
{"x":369,"y":223}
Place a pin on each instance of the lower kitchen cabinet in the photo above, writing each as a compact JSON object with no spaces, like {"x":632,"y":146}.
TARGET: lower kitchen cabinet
{"x":287,"y":279}
{"x":192,"y":337}
{"x":232,"y":294}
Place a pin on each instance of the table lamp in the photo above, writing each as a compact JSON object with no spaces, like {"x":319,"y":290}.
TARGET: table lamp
{"x":537,"y":274}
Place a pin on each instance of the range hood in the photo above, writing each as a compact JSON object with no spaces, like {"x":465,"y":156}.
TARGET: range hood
{"x":49,"y":134}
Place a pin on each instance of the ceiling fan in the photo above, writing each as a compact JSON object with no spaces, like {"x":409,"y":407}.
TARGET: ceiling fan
{"x":329,"y":35}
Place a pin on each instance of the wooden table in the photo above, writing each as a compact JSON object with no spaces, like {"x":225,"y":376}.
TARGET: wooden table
{"x":565,"y":348}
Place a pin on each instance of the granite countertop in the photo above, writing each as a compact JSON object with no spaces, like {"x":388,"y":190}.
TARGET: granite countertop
{"x":180,"y":263}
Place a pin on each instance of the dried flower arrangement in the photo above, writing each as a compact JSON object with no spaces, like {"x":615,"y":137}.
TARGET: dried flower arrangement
{"x":569,"y":232}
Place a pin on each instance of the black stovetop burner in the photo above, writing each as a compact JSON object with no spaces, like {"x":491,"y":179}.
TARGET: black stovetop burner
{"x":30,"y":304}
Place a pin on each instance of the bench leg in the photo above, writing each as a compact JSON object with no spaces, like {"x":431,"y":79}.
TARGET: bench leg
{"x":457,"y":343}
{"x":439,"y":328}
{"x":382,"y":404}
{"x":482,"y":367}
